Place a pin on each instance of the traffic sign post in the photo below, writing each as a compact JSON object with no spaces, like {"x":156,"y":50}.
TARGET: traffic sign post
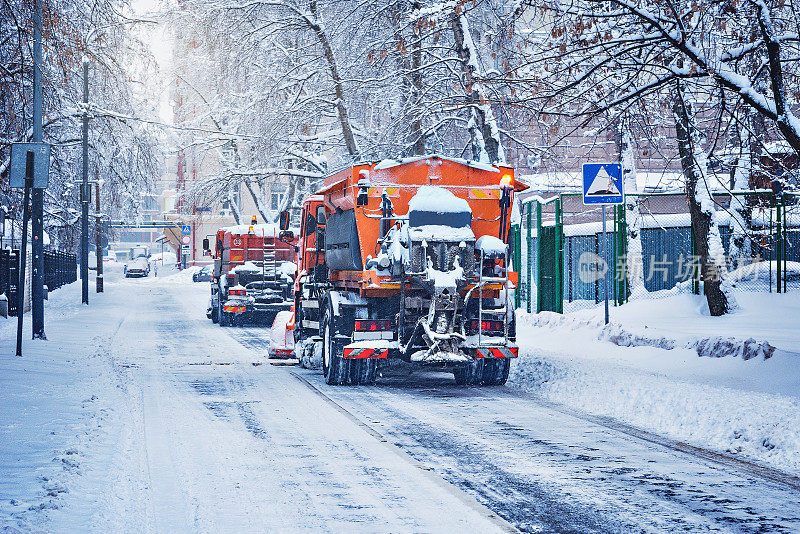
{"x":186,"y":233}
{"x":602,"y":184}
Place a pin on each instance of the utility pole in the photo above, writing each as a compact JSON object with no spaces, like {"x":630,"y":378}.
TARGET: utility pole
{"x":85,"y":191}
{"x":37,"y":195}
{"x":24,"y":251}
{"x":98,"y":236}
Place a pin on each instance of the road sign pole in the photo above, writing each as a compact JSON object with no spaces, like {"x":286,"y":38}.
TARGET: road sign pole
{"x":603,"y":255}
{"x":602,"y":184}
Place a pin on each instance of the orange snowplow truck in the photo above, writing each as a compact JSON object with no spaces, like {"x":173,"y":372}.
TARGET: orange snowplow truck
{"x":408,"y":259}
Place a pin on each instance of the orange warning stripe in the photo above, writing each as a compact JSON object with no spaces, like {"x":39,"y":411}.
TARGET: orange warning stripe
{"x":364,"y":353}
{"x":497,"y":352}
{"x":485,"y":194}
{"x":376,"y":192}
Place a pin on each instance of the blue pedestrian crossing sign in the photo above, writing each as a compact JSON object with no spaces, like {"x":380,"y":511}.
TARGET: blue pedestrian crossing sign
{"x":186,"y":229}
{"x":602,"y":183}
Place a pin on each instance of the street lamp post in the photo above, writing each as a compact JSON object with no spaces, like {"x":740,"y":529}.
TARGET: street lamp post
{"x":98,"y":237}
{"x":85,"y":191}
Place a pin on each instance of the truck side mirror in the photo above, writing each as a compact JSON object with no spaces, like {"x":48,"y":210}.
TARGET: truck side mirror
{"x":206,"y":244}
{"x":286,"y":236}
{"x":284,"y":220}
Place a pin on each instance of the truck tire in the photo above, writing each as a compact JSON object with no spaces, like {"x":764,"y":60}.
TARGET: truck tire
{"x":470,"y":374}
{"x":225,"y":318}
{"x":214,"y":314}
{"x":334,"y":367}
{"x":363,"y":372}
{"x":495,"y":372}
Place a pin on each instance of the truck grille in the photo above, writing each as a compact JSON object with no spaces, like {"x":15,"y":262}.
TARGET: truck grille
{"x":442,"y":255}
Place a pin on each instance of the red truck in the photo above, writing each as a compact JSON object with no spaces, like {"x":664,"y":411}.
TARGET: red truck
{"x":253,"y":274}
{"x":407,"y":259}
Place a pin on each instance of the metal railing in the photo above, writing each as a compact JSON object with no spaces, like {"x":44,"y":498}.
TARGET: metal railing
{"x":9,"y":276}
{"x":60,"y":268}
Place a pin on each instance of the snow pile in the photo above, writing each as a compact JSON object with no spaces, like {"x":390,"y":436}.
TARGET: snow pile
{"x":166,"y":258}
{"x":656,"y":367}
{"x":247,"y":266}
{"x":437,"y":200}
{"x":288,"y":269}
{"x":309,"y":354}
{"x":431,"y":232}
{"x":491,"y":246}
{"x":719,"y":347}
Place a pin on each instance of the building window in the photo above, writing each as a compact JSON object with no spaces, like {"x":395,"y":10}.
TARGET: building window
{"x":276,"y":199}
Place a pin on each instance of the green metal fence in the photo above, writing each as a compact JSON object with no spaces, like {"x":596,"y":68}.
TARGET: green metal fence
{"x":558,"y":246}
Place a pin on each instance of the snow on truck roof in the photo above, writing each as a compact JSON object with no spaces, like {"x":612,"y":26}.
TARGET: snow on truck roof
{"x":258,"y":229}
{"x":389,"y":163}
{"x":437,"y":200}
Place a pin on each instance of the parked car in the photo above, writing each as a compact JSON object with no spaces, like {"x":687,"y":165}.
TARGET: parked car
{"x":138,"y":267}
{"x":203,"y":275}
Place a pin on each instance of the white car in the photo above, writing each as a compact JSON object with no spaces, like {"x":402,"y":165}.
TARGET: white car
{"x":138,"y":267}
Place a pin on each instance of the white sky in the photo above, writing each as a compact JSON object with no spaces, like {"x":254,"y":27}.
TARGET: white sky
{"x":157,"y":39}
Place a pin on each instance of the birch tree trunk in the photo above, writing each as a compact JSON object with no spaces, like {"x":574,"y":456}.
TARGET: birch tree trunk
{"x":634,"y":263}
{"x":741,"y":248}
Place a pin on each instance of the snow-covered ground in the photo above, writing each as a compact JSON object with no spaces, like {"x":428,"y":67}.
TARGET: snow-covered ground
{"x":140,"y":415}
{"x":666,"y":366}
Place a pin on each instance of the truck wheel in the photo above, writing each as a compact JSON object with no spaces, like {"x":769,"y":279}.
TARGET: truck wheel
{"x":363,"y":372}
{"x":495,"y":372}
{"x":214,"y":314}
{"x":224,"y":318}
{"x":334,"y":367}
{"x":470,"y":374}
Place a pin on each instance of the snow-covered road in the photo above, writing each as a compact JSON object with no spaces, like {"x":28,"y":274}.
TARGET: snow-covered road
{"x":223,"y":445}
{"x":196,"y":432}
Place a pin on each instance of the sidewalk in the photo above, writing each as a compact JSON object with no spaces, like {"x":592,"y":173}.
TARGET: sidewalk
{"x":57,"y":420}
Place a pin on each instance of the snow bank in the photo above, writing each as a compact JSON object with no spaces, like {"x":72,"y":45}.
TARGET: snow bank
{"x":645,"y":369}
